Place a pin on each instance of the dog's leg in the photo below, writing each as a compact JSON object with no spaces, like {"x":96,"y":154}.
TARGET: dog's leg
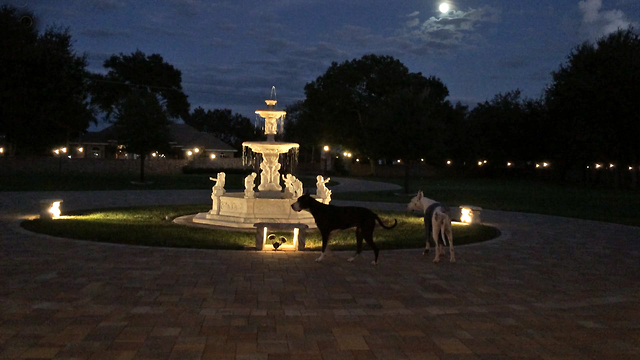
{"x":358,"y":245}
{"x":449,"y":233}
{"x":428,"y":227}
{"x":435,"y":232}
{"x":325,"y":241}
{"x":367,"y":234}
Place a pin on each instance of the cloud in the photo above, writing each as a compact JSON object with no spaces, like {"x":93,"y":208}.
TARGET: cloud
{"x":596,"y":22}
{"x":453,"y":29}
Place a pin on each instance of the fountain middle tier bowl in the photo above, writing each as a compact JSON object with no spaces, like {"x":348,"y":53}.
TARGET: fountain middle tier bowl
{"x":233,"y":211}
{"x":273,"y":147}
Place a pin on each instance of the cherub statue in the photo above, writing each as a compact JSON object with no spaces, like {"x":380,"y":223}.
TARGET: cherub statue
{"x":293,"y":186}
{"x":322,"y":192}
{"x":249,"y":184}
{"x":218,"y":188}
{"x":298,"y":189}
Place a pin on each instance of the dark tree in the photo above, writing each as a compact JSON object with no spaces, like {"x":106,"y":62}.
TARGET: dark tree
{"x":593,"y":101}
{"x":296,"y":129}
{"x":43,"y":92}
{"x":375,"y":107}
{"x":141,"y":95}
{"x":345,"y":102}
{"x":508,"y":129}
{"x":232,"y":129}
{"x":418,"y":116}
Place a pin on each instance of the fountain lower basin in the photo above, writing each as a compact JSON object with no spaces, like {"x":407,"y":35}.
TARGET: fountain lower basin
{"x":234,"y":211}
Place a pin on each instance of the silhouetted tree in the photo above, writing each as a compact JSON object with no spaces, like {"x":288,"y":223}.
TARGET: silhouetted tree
{"x":141,"y":95}
{"x":43,"y":88}
{"x":508,"y":129}
{"x":593,"y":101}
{"x":233,"y":129}
{"x":296,"y":129}
{"x":416,"y":123}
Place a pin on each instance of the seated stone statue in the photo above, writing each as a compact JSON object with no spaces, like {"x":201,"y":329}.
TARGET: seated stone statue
{"x":249,"y":185}
{"x":322,"y":193}
{"x":218,"y":188}
{"x":292,"y":187}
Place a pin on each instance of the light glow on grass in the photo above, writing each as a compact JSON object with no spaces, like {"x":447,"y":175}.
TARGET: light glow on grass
{"x":149,"y":226}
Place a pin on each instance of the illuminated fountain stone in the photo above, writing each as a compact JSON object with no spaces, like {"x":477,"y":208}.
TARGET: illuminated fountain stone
{"x":270,"y":203}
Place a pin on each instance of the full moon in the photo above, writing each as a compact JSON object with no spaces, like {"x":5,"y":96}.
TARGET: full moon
{"x":444,"y":8}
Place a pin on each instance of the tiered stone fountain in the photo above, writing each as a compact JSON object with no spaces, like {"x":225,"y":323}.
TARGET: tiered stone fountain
{"x":269,"y":204}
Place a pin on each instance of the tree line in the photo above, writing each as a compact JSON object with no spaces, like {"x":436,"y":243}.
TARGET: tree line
{"x":48,"y":97}
{"x":584,"y":126}
{"x":586,"y":120}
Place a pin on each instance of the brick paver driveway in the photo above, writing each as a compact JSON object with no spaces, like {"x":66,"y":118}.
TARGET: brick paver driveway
{"x":548,"y":288}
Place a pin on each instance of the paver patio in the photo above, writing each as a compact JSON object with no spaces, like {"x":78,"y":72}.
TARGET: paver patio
{"x":548,"y":288}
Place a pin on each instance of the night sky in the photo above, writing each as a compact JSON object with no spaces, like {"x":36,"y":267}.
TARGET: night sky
{"x":232,"y":52}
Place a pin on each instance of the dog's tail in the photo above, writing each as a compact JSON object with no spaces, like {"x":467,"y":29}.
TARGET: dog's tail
{"x":443,"y":219}
{"x":385,"y":226}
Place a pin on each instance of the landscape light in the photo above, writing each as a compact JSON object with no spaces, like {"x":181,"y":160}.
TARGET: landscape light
{"x":50,"y":208}
{"x":598,"y":166}
{"x":466,"y":215}
{"x":545,"y":164}
{"x":286,"y":246}
{"x":537,"y":165}
{"x":470,"y":214}
{"x":213,"y":156}
{"x":611,"y":166}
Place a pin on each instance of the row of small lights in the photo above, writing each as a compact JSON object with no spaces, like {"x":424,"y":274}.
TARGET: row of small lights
{"x":543,"y":165}
{"x":611,"y":166}
{"x":483,"y":162}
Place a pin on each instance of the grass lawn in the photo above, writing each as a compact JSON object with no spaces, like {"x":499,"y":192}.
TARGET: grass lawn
{"x":149,"y":226}
{"x":531,"y":196}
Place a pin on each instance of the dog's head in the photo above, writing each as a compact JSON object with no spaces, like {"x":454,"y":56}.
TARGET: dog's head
{"x":416,"y":203}
{"x":304,"y":202}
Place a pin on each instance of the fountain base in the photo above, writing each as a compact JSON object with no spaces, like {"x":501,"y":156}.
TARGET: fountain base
{"x":234,"y":211}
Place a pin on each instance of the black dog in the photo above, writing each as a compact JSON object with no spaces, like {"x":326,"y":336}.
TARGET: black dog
{"x":331,"y":217}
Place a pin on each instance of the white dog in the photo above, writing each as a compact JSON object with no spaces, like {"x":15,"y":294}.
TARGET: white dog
{"x":437,"y":223}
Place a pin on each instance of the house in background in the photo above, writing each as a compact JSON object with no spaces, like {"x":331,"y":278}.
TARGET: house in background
{"x":187,"y":142}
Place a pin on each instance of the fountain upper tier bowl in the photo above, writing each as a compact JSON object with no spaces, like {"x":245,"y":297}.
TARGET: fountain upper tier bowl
{"x":270,"y":147}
